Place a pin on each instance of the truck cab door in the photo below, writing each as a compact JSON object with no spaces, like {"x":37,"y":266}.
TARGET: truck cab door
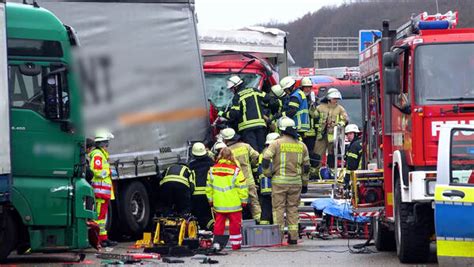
{"x":454,"y":196}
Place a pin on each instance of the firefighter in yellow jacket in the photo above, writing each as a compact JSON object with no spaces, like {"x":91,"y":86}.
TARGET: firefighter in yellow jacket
{"x":329,"y":114}
{"x":102,"y":182}
{"x":287,"y":161}
{"x":226,"y":191}
{"x":247,"y":158}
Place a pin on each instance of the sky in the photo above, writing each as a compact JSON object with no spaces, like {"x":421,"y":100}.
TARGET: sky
{"x":233,"y":14}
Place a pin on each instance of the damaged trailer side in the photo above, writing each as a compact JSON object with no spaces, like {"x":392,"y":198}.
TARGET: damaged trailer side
{"x":142,"y":79}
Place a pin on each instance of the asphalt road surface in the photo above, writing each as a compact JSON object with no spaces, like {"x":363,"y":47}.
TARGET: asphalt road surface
{"x":308,"y":252}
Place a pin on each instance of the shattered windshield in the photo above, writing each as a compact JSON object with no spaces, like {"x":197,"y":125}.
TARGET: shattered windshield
{"x":216,"y":87}
{"x":443,"y":77}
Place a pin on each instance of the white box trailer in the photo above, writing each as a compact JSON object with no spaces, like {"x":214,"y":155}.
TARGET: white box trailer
{"x":141,"y":78}
{"x":262,"y":42}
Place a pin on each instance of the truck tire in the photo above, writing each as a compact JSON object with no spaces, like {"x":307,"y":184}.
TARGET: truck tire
{"x":384,"y":239}
{"x":8,"y":235}
{"x":134,"y":208}
{"x":412,"y":238}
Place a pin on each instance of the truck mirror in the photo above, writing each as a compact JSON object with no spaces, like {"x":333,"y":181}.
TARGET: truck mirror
{"x":390,"y":59}
{"x":53,"y":104}
{"x":392,"y":83}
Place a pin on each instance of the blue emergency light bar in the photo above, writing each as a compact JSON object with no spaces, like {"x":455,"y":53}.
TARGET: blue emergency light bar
{"x":428,"y":22}
{"x":433,"y":25}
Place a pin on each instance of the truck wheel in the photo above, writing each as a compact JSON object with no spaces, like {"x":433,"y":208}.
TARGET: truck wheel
{"x":384,"y":239}
{"x":8,"y":235}
{"x":135,"y":208}
{"x":412,"y":238}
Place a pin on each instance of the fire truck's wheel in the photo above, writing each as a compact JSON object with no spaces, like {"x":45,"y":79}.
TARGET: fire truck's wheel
{"x":384,"y":239}
{"x":134,"y":208}
{"x":182,"y":232}
{"x":412,"y":238}
{"x":8,"y":235}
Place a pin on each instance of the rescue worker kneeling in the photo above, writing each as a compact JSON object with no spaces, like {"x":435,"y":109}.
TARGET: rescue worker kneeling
{"x":176,"y":188}
{"x":287,"y":161}
{"x":200,"y":165}
{"x":227,"y":193}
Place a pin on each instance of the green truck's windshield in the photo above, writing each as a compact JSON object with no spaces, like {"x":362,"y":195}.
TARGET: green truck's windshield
{"x":216,"y":87}
{"x":444,"y":74}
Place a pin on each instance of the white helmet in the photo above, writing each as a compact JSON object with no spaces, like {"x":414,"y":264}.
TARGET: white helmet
{"x":199,"y":149}
{"x":219,"y":145}
{"x":233,"y":81}
{"x":102,"y":135}
{"x":306,"y":82}
{"x":285,"y":122}
{"x":278,"y":91}
{"x":228,"y":133}
{"x":351,"y":128}
{"x":271,"y":137}
{"x":333,"y":93}
{"x":287,"y":82}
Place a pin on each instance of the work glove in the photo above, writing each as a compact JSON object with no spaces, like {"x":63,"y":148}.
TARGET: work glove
{"x":220,"y":113}
{"x":304,"y":189}
{"x":244,"y":205}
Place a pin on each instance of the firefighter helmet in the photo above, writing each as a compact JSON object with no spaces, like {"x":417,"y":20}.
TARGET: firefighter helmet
{"x":102,"y":135}
{"x":306,"y":82}
{"x":198,"y":149}
{"x":287,"y":82}
{"x":333,"y":93}
{"x":234,"y":81}
{"x":271,"y":137}
{"x":285,"y":122}
{"x":228,"y":133}
{"x":278,"y":91}
{"x":351,"y":128}
{"x":219,"y":145}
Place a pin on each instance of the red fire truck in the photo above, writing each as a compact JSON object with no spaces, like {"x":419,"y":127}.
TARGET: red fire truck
{"x":414,"y":80}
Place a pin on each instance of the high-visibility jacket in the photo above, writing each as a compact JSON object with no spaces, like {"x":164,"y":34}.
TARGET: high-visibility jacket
{"x":299,"y":103}
{"x":290,"y":161}
{"x":353,"y":155}
{"x":226,"y":187}
{"x":247,"y":109}
{"x":247,"y":157}
{"x":329,"y":115}
{"x":200,"y":166}
{"x":102,"y":180}
{"x":181,"y":174}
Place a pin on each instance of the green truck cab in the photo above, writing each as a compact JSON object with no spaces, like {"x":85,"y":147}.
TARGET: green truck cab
{"x":49,"y":201}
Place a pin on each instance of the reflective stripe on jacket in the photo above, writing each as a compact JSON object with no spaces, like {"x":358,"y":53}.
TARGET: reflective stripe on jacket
{"x":247,"y":109}
{"x":247,"y":157}
{"x":329,"y":115}
{"x":180,"y":174}
{"x":200,"y":166}
{"x":289,"y":159}
{"x":226,"y":187}
{"x":100,"y":167}
{"x":301,"y":117}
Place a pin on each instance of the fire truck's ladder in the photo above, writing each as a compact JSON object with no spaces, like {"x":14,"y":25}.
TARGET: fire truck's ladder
{"x":339,"y":152}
